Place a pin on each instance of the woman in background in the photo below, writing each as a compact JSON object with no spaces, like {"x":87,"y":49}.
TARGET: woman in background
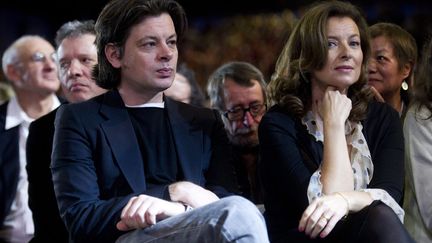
{"x":391,"y":66}
{"x":418,"y":153}
{"x":185,"y":87}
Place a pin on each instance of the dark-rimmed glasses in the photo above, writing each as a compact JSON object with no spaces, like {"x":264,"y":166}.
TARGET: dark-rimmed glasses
{"x":238,"y":113}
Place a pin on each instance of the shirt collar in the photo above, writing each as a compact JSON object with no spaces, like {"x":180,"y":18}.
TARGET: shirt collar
{"x":156,"y":105}
{"x":15,"y":115}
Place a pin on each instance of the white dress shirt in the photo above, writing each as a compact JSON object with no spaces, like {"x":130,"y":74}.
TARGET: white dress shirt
{"x":19,"y":221}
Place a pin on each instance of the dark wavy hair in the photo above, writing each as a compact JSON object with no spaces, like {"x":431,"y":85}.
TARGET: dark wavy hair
{"x":306,"y":50}
{"x":114,"y":24}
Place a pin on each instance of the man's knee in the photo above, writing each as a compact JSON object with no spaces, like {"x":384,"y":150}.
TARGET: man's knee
{"x":240,"y":205}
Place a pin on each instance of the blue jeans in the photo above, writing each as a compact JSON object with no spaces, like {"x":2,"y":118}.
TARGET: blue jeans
{"x":231,"y":219}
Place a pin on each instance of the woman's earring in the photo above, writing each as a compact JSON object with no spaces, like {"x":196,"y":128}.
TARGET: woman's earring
{"x":404,"y":85}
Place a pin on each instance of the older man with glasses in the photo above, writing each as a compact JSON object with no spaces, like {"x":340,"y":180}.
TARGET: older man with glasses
{"x":30,"y":67}
{"x":237,"y":90}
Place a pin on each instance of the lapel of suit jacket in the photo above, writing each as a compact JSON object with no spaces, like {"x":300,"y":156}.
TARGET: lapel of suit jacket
{"x":188,"y":140}
{"x":9,"y":162}
{"x":122,"y":140}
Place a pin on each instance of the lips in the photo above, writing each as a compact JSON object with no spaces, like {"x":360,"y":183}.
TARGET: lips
{"x":374,"y":80}
{"x":165,"y":72}
{"x":344,"y":68}
{"x":77,"y":86}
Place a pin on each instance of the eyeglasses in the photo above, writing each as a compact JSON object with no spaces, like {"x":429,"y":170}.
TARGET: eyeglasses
{"x":238,"y":113}
{"x":40,"y":57}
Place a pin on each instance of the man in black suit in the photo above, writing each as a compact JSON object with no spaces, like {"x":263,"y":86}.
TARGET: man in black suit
{"x":134,"y":160}
{"x":28,"y":65}
{"x":76,"y":55}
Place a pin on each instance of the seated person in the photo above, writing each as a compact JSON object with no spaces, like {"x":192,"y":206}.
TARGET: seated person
{"x":76,"y":55}
{"x":391,"y":66}
{"x":418,"y":153}
{"x":134,"y":166}
{"x":185,"y":88}
{"x":331,"y":160}
{"x":238,"y":91}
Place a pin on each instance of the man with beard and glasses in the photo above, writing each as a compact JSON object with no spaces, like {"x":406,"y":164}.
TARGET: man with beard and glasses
{"x":237,"y":89}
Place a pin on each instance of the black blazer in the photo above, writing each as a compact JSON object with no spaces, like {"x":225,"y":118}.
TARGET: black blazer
{"x":47,"y":222}
{"x":97,"y":165}
{"x":9,"y":164}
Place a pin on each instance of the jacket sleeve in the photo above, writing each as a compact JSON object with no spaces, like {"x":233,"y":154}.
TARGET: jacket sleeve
{"x":284,"y":174}
{"x":384,"y":136}
{"x":86,"y":215}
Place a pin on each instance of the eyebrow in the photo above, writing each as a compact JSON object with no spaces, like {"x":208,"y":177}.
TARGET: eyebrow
{"x":336,"y":37}
{"x":151,"y":37}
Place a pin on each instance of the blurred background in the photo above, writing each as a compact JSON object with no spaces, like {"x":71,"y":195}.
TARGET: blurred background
{"x":219,"y":30}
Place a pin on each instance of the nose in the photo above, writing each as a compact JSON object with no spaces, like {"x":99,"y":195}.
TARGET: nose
{"x":51,"y":63}
{"x":166,"y":52}
{"x":74,"y":68}
{"x":345,"y":51}
{"x":372,"y":65}
{"x":247,"y":119}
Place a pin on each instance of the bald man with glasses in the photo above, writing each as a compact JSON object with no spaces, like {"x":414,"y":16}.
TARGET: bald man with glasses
{"x":29,"y":66}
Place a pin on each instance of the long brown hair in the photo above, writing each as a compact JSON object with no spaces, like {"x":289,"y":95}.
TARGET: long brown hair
{"x":306,"y":50}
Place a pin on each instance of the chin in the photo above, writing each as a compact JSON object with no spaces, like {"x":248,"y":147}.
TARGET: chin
{"x":246,"y":142}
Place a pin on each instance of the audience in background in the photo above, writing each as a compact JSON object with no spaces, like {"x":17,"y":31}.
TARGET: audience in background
{"x":331,"y":161}
{"x":392,"y":63}
{"x":76,"y":57}
{"x":29,"y":65}
{"x":185,"y":87}
{"x":418,"y":153}
{"x":6,"y":92}
{"x":238,"y":91}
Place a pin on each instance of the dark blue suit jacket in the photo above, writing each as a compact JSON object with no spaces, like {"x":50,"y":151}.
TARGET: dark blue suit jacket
{"x":9,"y":164}
{"x":97,"y":165}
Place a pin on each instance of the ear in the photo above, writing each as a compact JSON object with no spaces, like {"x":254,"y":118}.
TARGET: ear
{"x":112,"y":53}
{"x":406,"y":69}
{"x":13,"y":74}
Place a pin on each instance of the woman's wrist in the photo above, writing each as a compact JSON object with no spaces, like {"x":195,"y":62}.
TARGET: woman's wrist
{"x":340,"y":194}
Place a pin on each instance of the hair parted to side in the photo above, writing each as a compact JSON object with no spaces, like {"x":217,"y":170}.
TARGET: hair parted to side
{"x":114,"y":24}
{"x":306,"y":50}
{"x":404,"y":44}
{"x":241,"y":73}
{"x":404,"y":48}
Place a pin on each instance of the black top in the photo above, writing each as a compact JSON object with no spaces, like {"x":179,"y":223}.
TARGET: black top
{"x":157,"y":147}
{"x":245,"y":164}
